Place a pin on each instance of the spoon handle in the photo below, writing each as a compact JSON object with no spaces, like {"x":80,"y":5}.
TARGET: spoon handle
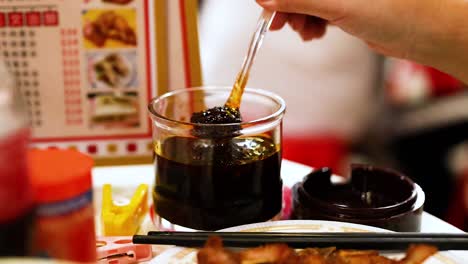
{"x":256,"y":42}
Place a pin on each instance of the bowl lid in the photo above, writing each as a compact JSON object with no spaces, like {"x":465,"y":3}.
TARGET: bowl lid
{"x":370,"y":192}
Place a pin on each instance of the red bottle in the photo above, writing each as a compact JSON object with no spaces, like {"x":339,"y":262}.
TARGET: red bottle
{"x":16,"y":197}
{"x":62,"y":184}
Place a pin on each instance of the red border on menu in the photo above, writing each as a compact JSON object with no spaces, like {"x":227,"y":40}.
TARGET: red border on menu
{"x":185,"y":47}
{"x":148,"y":134}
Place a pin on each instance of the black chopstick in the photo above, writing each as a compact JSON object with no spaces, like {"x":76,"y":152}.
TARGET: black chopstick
{"x":308,"y":234}
{"x":377,"y":241}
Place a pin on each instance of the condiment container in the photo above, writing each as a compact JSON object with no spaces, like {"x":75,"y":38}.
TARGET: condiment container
{"x":371,"y":196}
{"x":213,"y":176}
{"x":63,"y":192}
{"x":16,"y":198}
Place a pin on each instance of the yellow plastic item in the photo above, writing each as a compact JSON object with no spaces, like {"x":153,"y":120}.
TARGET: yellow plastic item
{"x":123,"y":220}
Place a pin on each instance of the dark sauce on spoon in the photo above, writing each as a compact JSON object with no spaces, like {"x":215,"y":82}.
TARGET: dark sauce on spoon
{"x":217,"y":115}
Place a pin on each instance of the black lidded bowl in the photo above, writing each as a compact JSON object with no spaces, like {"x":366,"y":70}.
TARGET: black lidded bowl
{"x":372,"y":196}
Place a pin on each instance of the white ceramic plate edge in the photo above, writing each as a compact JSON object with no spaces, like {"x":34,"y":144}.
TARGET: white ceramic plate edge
{"x":170,"y":256}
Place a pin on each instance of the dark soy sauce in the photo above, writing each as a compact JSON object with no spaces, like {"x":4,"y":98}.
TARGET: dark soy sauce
{"x":210,"y":184}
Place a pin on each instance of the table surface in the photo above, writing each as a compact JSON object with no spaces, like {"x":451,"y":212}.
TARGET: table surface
{"x":127,"y":178}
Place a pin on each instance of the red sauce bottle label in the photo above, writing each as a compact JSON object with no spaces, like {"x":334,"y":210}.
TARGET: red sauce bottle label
{"x":16,"y":197}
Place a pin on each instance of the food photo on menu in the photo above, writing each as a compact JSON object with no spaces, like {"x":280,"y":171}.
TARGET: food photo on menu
{"x":141,"y":131}
{"x":110,"y":110}
{"x":112,"y":70}
{"x":109,"y":28}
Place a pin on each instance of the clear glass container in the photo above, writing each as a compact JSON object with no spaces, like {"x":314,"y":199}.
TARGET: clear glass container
{"x":210,"y":183}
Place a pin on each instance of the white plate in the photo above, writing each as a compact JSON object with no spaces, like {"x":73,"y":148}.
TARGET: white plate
{"x":179,"y":255}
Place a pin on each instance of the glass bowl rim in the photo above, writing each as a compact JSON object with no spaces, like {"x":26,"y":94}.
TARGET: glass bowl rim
{"x":270,"y":118}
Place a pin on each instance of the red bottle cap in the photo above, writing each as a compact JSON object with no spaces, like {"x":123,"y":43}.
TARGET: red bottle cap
{"x":58,"y":175}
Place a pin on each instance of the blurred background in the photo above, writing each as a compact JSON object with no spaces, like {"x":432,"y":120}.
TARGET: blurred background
{"x":346,"y":104}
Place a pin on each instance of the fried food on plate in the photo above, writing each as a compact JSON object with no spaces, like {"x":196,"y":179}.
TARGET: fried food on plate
{"x":214,"y":252}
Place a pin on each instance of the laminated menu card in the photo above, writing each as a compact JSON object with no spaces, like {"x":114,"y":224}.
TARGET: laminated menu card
{"x":88,"y":68}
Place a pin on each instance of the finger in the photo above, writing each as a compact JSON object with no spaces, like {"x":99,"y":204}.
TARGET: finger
{"x":314,"y":28}
{"x":327,"y":9}
{"x":382,"y":50}
{"x":279,"y":21}
{"x":297,"y":22}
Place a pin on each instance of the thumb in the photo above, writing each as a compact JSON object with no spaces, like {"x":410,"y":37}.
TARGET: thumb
{"x":330,"y":10}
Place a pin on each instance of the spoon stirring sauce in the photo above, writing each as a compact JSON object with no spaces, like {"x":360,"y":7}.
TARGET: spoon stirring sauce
{"x":229,"y":113}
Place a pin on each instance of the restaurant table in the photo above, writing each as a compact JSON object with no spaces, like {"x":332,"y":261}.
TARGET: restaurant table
{"x":125,"y":179}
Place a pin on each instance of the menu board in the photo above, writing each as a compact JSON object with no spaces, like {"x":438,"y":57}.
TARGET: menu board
{"x":88,"y":68}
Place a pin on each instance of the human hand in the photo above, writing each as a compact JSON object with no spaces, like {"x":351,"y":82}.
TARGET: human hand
{"x":431,"y":32}
{"x":309,"y":27}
